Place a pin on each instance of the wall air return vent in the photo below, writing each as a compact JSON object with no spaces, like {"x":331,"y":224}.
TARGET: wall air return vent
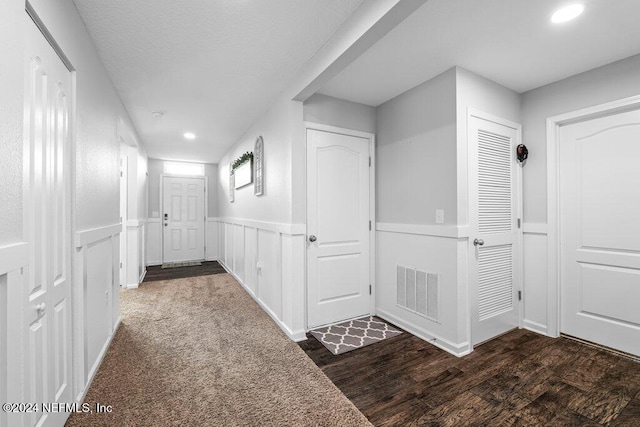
{"x":418,"y":292}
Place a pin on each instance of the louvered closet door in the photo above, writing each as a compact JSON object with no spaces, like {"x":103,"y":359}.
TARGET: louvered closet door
{"x":493,"y":228}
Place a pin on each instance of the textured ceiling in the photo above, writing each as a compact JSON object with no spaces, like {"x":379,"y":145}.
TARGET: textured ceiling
{"x":212,"y":66}
{"x":511,"y":42}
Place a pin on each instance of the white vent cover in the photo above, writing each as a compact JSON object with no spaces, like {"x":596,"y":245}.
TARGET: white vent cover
{"x":418,"y":292}
{"x":494,"y":182}
{"x":495,"y":280}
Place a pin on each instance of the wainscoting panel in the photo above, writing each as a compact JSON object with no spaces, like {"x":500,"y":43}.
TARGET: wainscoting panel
{"x":267,"y":259}
{"x":212,"y":245}
{"x":97,"y":264}
{"x":154,"y":241}
{"x":438,"y":255}
{"x":535,"y":277}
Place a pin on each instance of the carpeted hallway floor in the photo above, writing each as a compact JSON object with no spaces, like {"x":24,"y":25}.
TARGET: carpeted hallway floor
{"x":200,"y":351}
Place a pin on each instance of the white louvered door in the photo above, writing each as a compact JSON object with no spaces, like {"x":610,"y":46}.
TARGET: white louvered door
{"x":494,"y":207}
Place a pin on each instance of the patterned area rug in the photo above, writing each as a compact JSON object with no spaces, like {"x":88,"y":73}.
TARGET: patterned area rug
{"x":353,"y":334}
{"x":181,"y":264}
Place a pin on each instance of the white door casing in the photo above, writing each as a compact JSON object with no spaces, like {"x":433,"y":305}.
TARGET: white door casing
{"x":124,"y":195}
{"x":183,"y":219}
{"x":338,"y":218}
{"x":47,"y":297}
{"x":494,"y":243}
{"x":600,"y":230}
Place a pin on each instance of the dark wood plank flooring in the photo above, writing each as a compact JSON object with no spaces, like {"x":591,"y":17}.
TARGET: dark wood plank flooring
{"x":155,"y":273}
{"x":521,"y":378}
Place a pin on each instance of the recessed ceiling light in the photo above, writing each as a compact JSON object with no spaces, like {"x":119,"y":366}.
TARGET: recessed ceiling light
{"x":157,"y":114}
{"x":567,"y":13}
{"x":189,"y":135}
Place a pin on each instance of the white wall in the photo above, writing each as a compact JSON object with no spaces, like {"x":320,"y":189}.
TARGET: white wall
{"x":332,"y":111}
{"x":604,"y":84}
{"x":261,"y":239}
{"x":100,"y":118}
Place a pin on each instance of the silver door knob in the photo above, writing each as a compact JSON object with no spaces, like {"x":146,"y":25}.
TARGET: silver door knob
{"x":478,"y":242}
{"x":312,"y":238}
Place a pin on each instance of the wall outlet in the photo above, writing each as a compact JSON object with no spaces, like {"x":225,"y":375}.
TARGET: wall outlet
{"x":439,"y":216}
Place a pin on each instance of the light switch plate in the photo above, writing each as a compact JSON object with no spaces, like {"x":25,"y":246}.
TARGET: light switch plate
{"x":439,"y":216}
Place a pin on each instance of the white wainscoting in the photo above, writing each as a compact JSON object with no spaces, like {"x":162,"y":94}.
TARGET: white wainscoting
{"x":136,"y":253}
{"x":154,"y":241}
{"x":96,"y":310}
{"x":432,"y":249}
{"x":535,"y":277}
{"x":13,"y":259}
{"x":267,"y":259}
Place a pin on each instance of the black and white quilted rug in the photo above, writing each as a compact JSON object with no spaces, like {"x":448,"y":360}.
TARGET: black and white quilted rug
{"x":353,"y":334}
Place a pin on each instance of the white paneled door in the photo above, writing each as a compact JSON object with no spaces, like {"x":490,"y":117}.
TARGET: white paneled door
{"x":493,"y":223}
{"x":47,"y":297}
{"x":600,"y":230}
{"x":338,"y":227}
{"x":183,"y":219}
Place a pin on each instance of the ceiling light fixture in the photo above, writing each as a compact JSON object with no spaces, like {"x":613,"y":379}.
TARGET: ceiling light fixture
{"x":157,"y":114}
{"x":567,"y":13}
{"x":189,"y":135}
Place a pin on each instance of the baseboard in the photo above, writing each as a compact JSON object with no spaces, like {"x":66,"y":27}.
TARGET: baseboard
{"x":457,"y":350}
{"x":212,"y":259}
{"x":133,"y":286}
{"x":532,"y":326}
{"x":96,"y":366}
{"x":144,"y":274}
{"x":297,"y":336}
{"x":154,"y":263}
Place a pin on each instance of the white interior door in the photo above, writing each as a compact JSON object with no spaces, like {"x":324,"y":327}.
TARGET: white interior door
{"x":47,"y":311}
{"x":338,"y":227}
{"x":183,"y":219}
{"x":493,"y":191}
{"x":600,"y":230}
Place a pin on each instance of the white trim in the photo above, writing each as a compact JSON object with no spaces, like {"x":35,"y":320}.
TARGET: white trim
{"x":535,"y":327}
{"x":534,"y":228}
{"x":290,"y":229}
{"x":553,"y":198}
{"x":86,"y":237}
{"x":96,"y":366}
{"x":372,"y":206}
{"x":135,"y":223}
{"x":446,"y":231}
{"x":459,"y":350}
{"x":297,"y":336}
{"x":142,"y":276}
{"x":13,"y":257}
{"x":154,"y":220}
{"x":132,"y":286}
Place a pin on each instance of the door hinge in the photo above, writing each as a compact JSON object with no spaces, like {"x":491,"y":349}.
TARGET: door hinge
{"x":121,"y":175}
{"x":369,"y":161}
{"x":120,"y":265}
{"x":369,"y":225}
{"x":519,"y":295}
{"x":519,"y":222}
{"x":369,"y":289}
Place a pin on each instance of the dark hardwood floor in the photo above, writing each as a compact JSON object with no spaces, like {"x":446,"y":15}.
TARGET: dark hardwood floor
{"x":520,"y":378}
{"x":158,"y":273}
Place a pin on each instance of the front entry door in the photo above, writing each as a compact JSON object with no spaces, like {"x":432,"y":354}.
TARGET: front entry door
{"x":338,"y":227}
{"x":600,"y":230}
{"x":493,"y":227}
{"x":183,"y":219}
{"x":47,"y":310}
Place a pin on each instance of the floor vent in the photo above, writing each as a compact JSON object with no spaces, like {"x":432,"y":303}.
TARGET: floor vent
{"x":418,"y":292}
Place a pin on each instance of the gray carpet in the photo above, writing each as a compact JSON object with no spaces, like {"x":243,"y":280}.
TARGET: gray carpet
{"x":200,"y":351}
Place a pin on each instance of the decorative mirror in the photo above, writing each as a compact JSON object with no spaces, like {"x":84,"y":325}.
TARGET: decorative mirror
{"x":258,"y":158}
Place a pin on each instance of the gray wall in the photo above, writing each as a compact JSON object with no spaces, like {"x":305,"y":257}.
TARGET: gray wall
{"x":608,"y":83}
{"x":327,"y":110}
{"x":416,"y":153}
{"x":156,"y":168}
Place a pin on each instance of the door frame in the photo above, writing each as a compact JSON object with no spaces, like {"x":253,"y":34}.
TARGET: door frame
{"x":518,"y":244}
{"x":161,"y":208}
{"x":372,"y":209}
{"x":553,"y":196}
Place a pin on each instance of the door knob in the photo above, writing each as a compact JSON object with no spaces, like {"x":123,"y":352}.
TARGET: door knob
{"x":165,"y":224}
{"x":478,"y":242}
{"x":312,"y":238}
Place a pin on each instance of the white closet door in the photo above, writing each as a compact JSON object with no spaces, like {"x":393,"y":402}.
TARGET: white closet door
{"x":493,"y":226}
{"x":600,"y":230}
